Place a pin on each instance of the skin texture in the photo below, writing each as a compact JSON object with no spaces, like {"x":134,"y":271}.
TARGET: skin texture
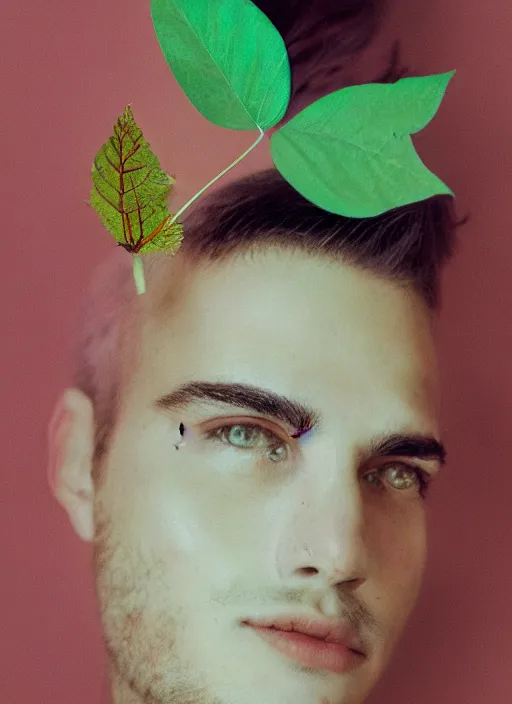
{"x":189,"y":543}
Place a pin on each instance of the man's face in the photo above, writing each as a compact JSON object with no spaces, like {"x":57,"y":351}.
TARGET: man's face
{"x":192,"y":543}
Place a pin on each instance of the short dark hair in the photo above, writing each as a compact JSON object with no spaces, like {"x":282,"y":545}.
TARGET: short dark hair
{"x":408,"y":245}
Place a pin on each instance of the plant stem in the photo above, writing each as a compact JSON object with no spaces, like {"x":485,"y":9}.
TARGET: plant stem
{"x":138,"y":265}
{"x":138,"y":274}
{"x":210,"y":183}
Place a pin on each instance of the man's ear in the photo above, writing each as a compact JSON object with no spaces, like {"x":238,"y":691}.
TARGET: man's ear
{"x":71,"y":447}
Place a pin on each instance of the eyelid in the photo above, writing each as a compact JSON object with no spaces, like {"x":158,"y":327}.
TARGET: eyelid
{"x":424,"y":465}
{"x":269,"y":426}
{"x":427,"y":475}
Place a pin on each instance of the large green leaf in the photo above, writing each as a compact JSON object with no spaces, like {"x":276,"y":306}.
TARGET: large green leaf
{"x":350,"y":152}
{"x":130,"y":191}
{"x":228,"y":58}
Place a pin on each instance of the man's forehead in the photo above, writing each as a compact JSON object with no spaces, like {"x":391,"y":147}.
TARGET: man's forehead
{"x":275,"y":273}
{"x":219,"y":317}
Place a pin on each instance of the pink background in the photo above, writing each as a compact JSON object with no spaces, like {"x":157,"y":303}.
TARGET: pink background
{"x":65,"y":77}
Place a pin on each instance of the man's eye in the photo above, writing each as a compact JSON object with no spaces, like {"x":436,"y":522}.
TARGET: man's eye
{"x":401,"y":480}
{"x":249,"y":436}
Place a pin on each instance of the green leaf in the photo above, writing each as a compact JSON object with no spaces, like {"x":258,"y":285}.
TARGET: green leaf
{"x":130,"y":191}
{"x":228,"y":58}
{"x":350,"y":152}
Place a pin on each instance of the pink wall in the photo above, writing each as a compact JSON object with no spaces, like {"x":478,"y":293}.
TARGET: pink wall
{"x":64,"y":80}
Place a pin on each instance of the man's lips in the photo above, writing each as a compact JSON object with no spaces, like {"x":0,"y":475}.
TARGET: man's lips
{"x":314,"y":643}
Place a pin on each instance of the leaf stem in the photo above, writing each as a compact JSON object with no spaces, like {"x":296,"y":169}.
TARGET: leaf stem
{"x":138,"y":264}
{"x":138,"y":274}
{"x":210,"y":183}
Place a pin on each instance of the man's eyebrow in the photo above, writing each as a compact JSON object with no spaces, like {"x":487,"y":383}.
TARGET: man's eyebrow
{"x":298,"y":415}
{"x":253,"y":398}
{"x":414,"y":445}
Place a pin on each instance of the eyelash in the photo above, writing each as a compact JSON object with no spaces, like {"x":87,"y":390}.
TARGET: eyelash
{"x":423,"y":477}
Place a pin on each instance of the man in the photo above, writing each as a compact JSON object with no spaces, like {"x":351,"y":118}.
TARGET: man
{"x":248,"y":447}
{"x":244,"y":522}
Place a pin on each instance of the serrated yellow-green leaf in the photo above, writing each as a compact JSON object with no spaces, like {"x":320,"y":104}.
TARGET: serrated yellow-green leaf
{"x":130,"y":191}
